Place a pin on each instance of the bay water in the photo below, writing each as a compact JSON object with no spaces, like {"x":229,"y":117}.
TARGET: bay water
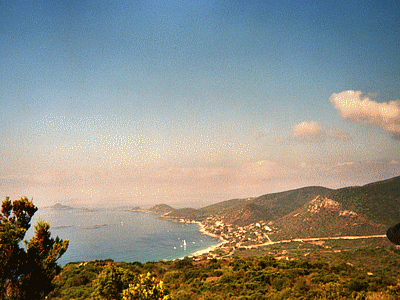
{"x":121,"y":235}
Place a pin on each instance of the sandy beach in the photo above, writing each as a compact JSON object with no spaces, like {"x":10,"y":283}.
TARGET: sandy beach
{"x":203,"y":230}
{"x":211,"y":248}
{"x":206,"y":250}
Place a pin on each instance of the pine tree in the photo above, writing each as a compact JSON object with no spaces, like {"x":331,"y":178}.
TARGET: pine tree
{"x":26,"y":273}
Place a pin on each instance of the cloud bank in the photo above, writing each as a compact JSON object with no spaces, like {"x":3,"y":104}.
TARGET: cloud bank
{"x":307,"y":130}
{"x":313,"y":131}
{"x":353,"y":107}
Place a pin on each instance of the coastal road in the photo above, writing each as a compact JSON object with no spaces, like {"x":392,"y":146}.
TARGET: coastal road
{"x":315,"y":239}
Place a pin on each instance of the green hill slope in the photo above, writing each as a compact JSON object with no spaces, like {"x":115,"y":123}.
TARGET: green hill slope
{"x":183,"y":213}
{"x":323,"y":217}
{"x":267,"y":207}
{"x":378,"y":201}
{"x":364,"y":210}
{"x":281,"y":204}
{"x":243,"y":212}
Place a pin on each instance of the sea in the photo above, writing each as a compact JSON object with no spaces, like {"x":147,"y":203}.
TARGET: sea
{"x":121,"y":235}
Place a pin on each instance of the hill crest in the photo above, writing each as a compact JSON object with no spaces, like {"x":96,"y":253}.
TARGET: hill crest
{"x":161,"y":209}
{"x":310,"y":211}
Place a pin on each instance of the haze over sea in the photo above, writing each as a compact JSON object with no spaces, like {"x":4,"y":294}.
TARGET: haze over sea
{"x":121,"y":235}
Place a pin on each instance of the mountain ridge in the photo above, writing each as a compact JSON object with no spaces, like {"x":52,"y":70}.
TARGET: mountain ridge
{"x":355,"y":210}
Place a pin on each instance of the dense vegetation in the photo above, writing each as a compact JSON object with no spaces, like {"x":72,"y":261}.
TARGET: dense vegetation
{"x":323,"y":217}
{"x":255,"y":277}
{"x":378,"y":201}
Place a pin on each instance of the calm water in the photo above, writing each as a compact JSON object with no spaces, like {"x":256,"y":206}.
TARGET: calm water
{"x":121,"y":235}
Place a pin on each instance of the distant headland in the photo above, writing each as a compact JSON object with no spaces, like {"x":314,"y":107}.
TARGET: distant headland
{"x":59,"y":206}
{"x":159,"y":209}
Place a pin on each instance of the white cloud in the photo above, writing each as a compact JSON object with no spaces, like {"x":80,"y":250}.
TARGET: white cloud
{"x":313,"y":131}
{"x":307,"y":130}
{"x":353,"y":107}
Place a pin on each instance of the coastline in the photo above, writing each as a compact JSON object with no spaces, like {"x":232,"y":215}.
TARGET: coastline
{"x":201,"y":229}
{"x":206,"y":250}
{"x":209,"y":249}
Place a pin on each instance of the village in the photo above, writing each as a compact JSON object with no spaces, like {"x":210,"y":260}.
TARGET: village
{"x":232,"y":237}
{"x":252,"y":236}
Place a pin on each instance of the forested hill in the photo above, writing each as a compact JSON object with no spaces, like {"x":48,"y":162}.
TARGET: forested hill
{"x":376,"y":204}
{"x":378,"y":201}
{"x":246,"y":211}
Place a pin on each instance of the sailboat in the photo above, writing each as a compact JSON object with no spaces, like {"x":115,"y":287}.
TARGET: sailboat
{"x":184,"y":244}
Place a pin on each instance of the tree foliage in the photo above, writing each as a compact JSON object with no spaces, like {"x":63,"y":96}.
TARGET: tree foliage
{"x":232,"y":279}
{"x":147,"y":288}
{"x":26,"y":273}
{"x":110,"y":283}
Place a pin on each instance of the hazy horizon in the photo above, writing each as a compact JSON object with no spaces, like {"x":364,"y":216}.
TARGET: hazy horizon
{"x":195,"y":102}
{"x":75,"y":204}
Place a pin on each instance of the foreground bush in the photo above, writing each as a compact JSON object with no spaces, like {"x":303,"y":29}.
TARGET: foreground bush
{"x":237,"y":278}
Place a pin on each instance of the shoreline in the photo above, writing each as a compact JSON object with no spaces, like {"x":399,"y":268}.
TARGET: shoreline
{"x":205,"y":250}
{"x":201,"y":229}
{"x":209,"y":249}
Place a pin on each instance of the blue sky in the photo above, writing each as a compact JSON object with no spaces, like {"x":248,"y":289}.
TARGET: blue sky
{"x":194,"y":102}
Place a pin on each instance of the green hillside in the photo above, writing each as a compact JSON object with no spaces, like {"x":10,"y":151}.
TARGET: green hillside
{"x":268,"y":207}
{"x":219,"y":208}
{"x":364,"y":210}
{"x":280,"y":204}
{"x":323,"y":217}
{"x":246,"y":214}
{"x":378,"y":201}
{"x":223,"y":207}
{"x":183,"y":213}
{"x":243,"y":212}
